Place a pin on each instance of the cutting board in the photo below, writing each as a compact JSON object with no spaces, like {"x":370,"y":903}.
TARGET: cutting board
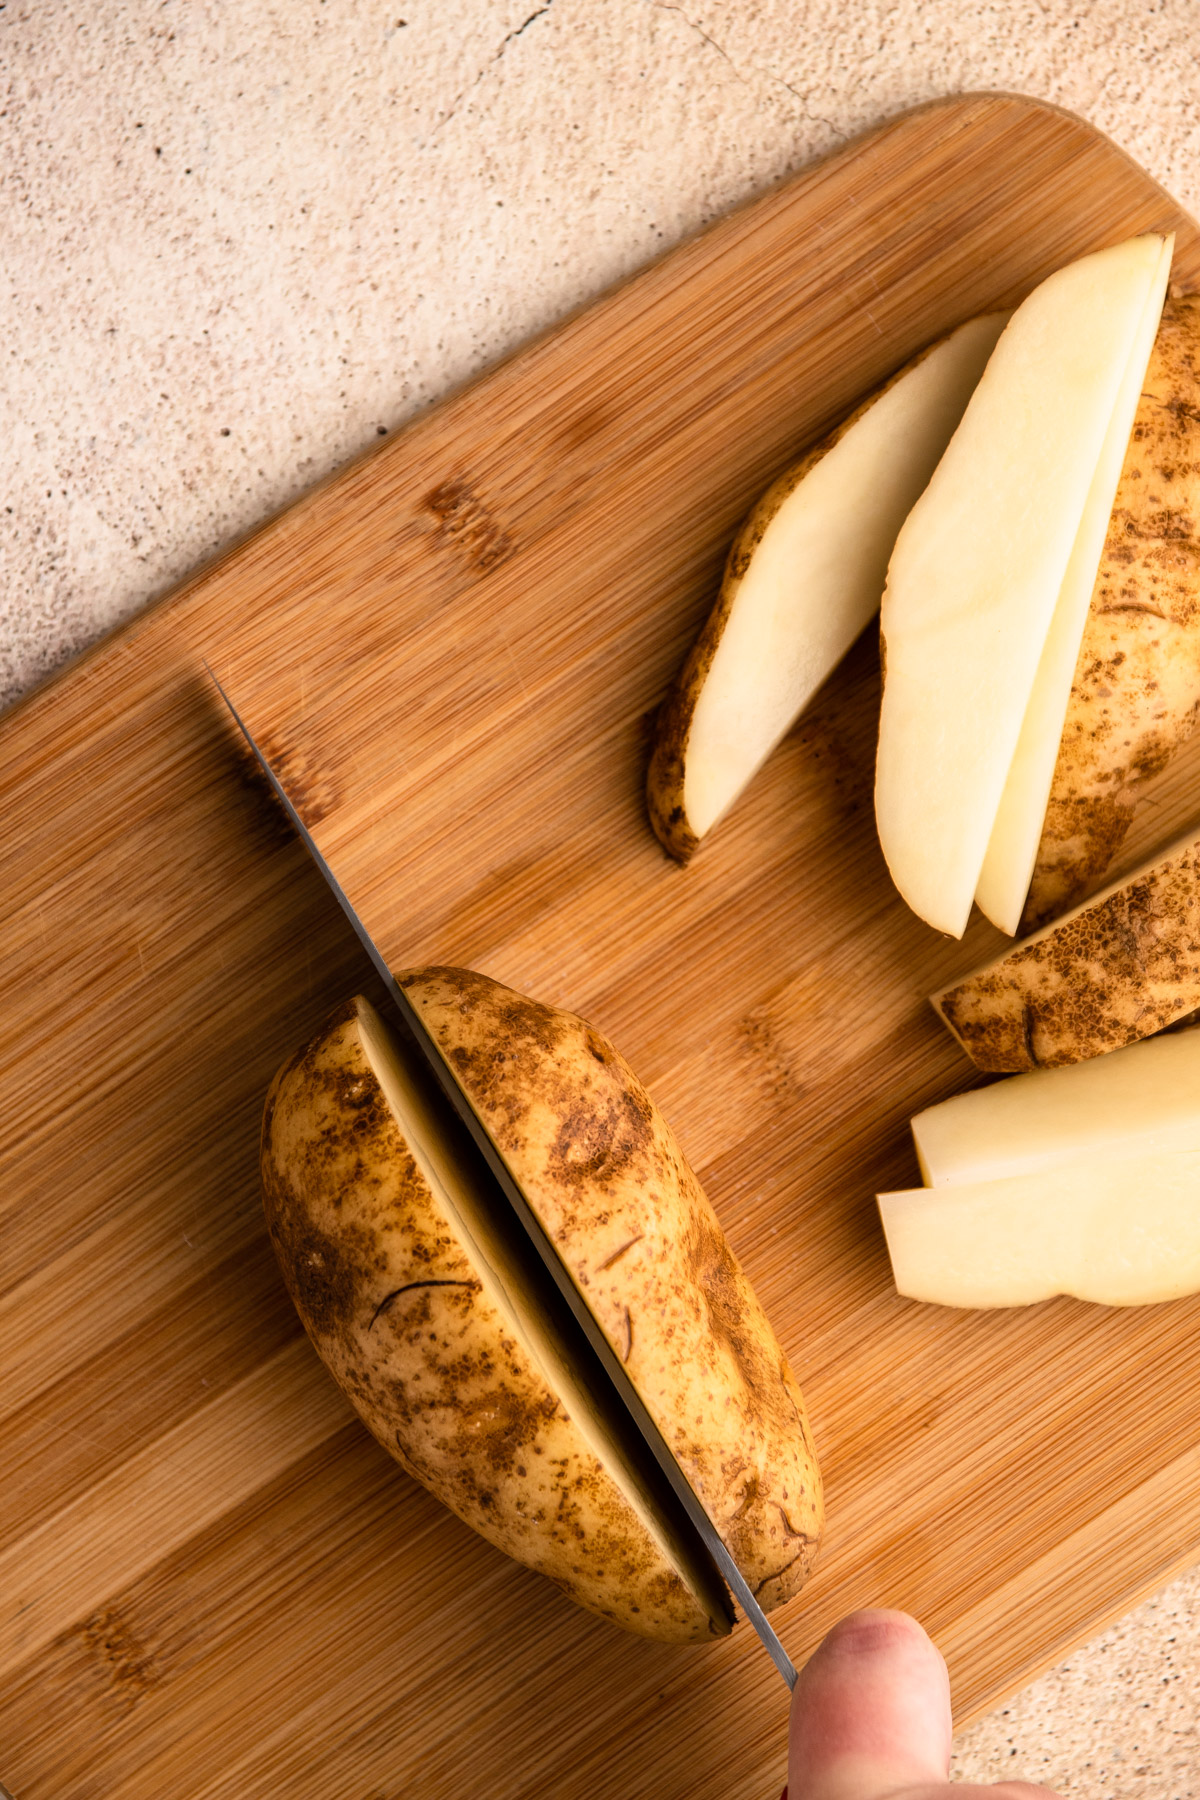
{"x":213,"y":1583}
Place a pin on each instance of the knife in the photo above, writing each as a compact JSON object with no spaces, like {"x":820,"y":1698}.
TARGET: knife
{"x":482,"y":1162}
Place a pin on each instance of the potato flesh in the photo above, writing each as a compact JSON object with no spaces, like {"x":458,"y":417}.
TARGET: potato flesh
{"x":1117,"y":1231}
{"x":1118,"y":968}
{"x":978,"y":568}
{"x":1017,"y":828}
{"x":815,"y":577}
{"x":1142,"y":1100}
{"x":507,"y":1284}
{"x":1136,"y":690}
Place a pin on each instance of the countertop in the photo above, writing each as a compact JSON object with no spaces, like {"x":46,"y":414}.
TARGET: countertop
{"x":241,"y":242}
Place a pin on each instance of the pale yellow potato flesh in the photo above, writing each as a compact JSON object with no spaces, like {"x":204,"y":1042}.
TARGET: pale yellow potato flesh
{"x":804,"y":577}
{"x":426,"y":1321}
{"x":1119,"y":1231}
{"x":1135,"y":695}
{"x":1118,"y":968}
{"x":605,"y":1176}
{"x":978,"y":568}
{"x":1142,"y":1100}
{"x":1017,"y":828}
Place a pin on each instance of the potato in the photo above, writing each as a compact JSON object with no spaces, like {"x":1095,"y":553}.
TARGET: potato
{"x":424,"y":1308}
{"x":1118,"y":968}
{"x":804,"y":576}
{"x":422,"y":1315}
{"x":606,"y":1178}
{"x":1017,"y":828}
{"x":1136,"y":691}
{"x":1120,"y":1231}
{"x":979,"y":566}
{"x":1142,"y":1100}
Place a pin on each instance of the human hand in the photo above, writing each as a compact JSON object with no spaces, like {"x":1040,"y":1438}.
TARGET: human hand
{"x":871,"y":1719}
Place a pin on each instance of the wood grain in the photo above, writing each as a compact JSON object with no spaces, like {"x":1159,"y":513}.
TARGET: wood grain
{"x":212,"y":1583}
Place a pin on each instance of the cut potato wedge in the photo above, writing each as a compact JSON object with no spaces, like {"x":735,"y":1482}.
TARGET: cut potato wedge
{"x":1118,"y":968}
{"x":1135,"y":696}
{"x":1017,"y":829}
{"x":1142,"y":1100}
{"x":804,"y":576}
{"x":979,"y":565}
{"x":1119,"y":1231}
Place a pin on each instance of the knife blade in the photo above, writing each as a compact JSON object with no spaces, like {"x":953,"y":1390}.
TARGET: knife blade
{"x":482,"y":1162}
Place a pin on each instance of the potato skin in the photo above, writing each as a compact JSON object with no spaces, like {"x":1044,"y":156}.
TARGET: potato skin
{"x":1136,"y":694}
{"x":1116,"y":969}
{"x":389,"y":1296}
{"x":602,"y":1170}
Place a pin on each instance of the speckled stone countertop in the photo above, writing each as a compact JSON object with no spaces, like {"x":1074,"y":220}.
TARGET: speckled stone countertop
{"x":240,"y":240}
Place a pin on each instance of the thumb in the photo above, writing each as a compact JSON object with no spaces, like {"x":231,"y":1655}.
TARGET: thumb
{"x":870,"y":1712}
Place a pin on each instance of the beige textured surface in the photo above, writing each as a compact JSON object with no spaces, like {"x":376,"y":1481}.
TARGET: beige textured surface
{"x":240,"y":240}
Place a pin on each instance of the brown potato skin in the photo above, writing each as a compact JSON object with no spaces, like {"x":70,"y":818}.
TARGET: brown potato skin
{"x":602,"y":1170}
{"x":1120,"y":967}
{"x":1136,"y":694}
{"x":434,"y":1371}
{"x":665,"y":775}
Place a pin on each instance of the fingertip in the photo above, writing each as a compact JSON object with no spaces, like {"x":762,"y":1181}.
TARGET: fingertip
{"x":871,"y":1704}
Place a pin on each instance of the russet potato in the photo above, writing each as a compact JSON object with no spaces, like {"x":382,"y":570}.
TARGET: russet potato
{"x":979,"y":567}
{"x":1017,"y":828}
{"x":426,"y":1313}
{"x":1136,"y":691}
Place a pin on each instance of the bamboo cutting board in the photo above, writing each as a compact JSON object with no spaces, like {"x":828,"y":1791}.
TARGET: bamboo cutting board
{"x":213,"y":1584}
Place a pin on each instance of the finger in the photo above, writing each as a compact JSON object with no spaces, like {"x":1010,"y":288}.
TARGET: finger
{"x":870,"y":1713}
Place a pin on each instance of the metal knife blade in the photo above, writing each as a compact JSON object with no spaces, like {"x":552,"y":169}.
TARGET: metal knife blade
{"x":480,"y":1155}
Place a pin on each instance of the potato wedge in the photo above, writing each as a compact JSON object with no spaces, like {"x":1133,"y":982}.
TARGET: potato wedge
{"x":1141,"y":1100}
{"x":1136,"y":691}
{"x":606,"y":1178}
{"x":804,"y":576}
{"x":1118,"y":968}
{"x":978,"y":569}
{"x":420,"y":1311}
{"x":1119,"y":1231}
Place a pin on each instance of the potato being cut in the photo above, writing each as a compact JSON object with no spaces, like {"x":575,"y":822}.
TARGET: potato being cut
{"x":1017,"y":828}
{"x":424,"y":1306}
{"x":420,"y":1311}
{"x":979,"y":566}
{"x":1136,"y":691}
{"x":1142,"y":1100}
{"x":601,"y":1169}
{"x":1118,"y":968}
{"x":804,"y":576}
{"x":1121,"y":1231}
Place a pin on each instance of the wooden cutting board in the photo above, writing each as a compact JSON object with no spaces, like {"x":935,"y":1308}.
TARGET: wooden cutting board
{"x":212,"y":1582}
